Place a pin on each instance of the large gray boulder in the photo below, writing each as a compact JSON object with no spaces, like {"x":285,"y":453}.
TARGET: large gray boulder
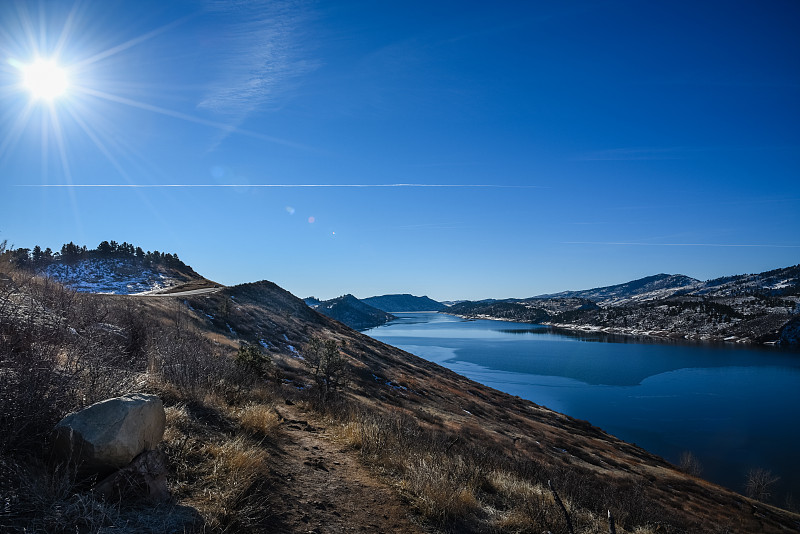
{"x":108,"y":435}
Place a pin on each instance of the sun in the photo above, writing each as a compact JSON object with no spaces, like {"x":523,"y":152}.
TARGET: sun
{"x":45,"y":79}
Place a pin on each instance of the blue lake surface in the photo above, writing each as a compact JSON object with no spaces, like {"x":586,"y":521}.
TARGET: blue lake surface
{"x":735,"y":408}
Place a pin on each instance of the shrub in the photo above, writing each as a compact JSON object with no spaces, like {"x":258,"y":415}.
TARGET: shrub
{"x":196,"y":367}
{"x":328,"y":365}
{"x":251,"y":358}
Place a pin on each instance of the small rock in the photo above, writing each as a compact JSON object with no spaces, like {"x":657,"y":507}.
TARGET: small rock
{"x":144,"y":478}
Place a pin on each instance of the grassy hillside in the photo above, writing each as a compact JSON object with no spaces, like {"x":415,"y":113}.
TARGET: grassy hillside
{"x":399,"y":444}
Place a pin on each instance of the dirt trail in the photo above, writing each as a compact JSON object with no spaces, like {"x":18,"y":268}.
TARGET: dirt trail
{"x":319,"y":487}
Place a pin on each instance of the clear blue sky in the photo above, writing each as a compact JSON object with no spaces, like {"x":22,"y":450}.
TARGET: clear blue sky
{"x":617,"y":139}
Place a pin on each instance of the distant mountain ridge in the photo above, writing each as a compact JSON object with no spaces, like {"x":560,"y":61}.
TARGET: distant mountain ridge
{"x":647,"y":288}
{"x":354,"y":313}
{"x":404,"y":303}
{"x":659,"y":286}
{"x":751,"y":308}
{"x":361,"y":314}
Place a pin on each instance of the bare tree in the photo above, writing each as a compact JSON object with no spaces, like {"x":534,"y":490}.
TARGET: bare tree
{"x":689,"y":464}
{"x":759,"y":484}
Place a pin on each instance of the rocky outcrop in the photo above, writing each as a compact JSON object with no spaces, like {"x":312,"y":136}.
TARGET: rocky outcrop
{"x":108,"y":435}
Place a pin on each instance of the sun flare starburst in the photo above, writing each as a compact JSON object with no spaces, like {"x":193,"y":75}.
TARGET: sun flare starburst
{"x":45,"y":79}
{"x":65,"y":89}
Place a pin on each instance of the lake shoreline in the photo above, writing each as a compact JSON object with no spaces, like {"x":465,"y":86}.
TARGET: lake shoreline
{"x":634,"y":333}
{"x":668,"y":395}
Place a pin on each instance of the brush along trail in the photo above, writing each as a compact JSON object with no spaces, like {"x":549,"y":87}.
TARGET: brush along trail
{"x":320,"y":487}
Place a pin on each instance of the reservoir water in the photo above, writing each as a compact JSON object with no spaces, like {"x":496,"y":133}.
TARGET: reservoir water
{"x":735,"y":408}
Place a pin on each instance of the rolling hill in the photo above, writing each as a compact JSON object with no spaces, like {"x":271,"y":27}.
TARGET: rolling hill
{"x":351,"y":311}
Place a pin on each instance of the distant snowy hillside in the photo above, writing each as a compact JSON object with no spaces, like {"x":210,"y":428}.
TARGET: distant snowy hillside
{"x":654,"y":287}
{"x":113,"y":275}
{"x":750,"y":308}
{"x":785,"y":281}
{"x":660,"y":286}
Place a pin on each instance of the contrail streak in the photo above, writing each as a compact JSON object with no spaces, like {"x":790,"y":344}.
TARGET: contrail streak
{"x":677,"y":244}
{"x":498,"y":186}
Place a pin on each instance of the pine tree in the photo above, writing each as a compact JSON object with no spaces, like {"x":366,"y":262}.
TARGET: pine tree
{"x":37,"y":255}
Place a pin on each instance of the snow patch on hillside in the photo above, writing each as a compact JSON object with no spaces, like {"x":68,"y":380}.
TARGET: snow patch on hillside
{"x":657,"y":294}
{"x":646,"y":289}
{"x":782,"y":281}
{"x":112,"y":276}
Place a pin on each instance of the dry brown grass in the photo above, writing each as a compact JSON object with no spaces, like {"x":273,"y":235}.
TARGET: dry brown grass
{"x":218,"y":473}
{"x":458,"y":482}
{"x":512,"y":486}
{"x":231,"y":474}
{"x":237,"y":463}
{"x":442,"y":488}
{"x":349,"y":434}
{"x":454,"y":485}
{"x":259,"y":420}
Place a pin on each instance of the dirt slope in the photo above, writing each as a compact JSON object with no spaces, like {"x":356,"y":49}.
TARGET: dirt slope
{"x":320,"y":487}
